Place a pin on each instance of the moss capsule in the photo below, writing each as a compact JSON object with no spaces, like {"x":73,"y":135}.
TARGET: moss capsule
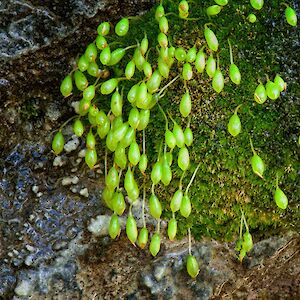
{"x":258,"y":165}
{"x":83,"y":63}
{"x":222,"y":2}
{"x":108,"y":86}
{"x":58,"y":143}
{"x":191,"y":55}
{"x":218,"y":81}
{"x":90,"y":140}
{"x":185,"y":206}
{"x":114,"y":227}
{"x":172,"y":229}
{"x":234,"y":74}
{"x":162,"y":40}
{"x":112,"y":178}
{"x":107,"y":196}
{"x":129,"y":181}
{"x":134,"y":153}
{"x":166,"y":174}
{"x":80,"y":80}
{"x":213,"y":10}
{"x":280,"y":198}
{"x":93,"y":69}
{"x":200,"y":61}
{"x":89,"y":93}
{"x":252,"y":18}
{"x":187,"y":71}
{"x":183,"y":159}
{"x":188,"y":136}
{"x":66,"y":86}
{"x":211,"y":39}
{"x":101,"y":42}
{"x":183,"y":6}
{"x":159,"y":12}
{"x":155,"y":244}
{"x":257,"y":4}
{"x":118,"y":203}
{"x":176,"y":200}
{"x":163,"y":68}
{"x":128,"y":137}
{"x":192,"y":266}
{"x":139,"y":59}
{"x":147,"y":69}
{"x":179,"y":136}
{"x":78,"y":128}
{"x":91,"y":52}
{"x":280,"y":83}
{"x":143,"y":163}
{"x":155,"y":207}
{"x":120,"y":157}
{"x":143,"y":237}
{"x":170,"y":139}
{"x":105,"y":56}
{"x":272,"y":90}
{"x":290,"y":16}
{"x":234,"y":125}
{"x":103,"y":130}
{"x":156,"y":172}
{"x":131,"y":229}
{"x":144,"y":119}
{"x":90,"y":157}
{"x":211,"y":66}
{"x":122,"y":27}
{"x":180,"y":54}
{"x":163,"y":25}
{"x":260,"y":94}
{"x":247,"y":243}
{"x":144,"y":45}
{"x":153,"y":82}
{"x":103,"y":28}
{"x":116,"y":104}
{"x":130,"y":69}
{"x":84,"y":106}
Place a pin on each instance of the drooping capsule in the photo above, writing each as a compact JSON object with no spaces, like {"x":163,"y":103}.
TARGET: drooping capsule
{"x":192,"y":266}
{"x":155,"y":207}
{"x":280,"y":198}
{"x":131,"y":229}
{"x":155,"y":244}
{"x":114,"y":227}
{"x":260,"y":94}
{"x":66,"y":86}
{"x":58,"y":143}
{"x":172,"y":229}
{"x":257,"y":4}
{"x":290,"y":16}
{"x":234,"y":125}
{"x":185,"y":206}
{"x":211,"y":39}
{"x":143,"y":237}
{"x":122,"y":27}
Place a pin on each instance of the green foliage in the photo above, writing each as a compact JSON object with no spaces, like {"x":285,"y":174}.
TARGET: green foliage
{"x":158,"y":104}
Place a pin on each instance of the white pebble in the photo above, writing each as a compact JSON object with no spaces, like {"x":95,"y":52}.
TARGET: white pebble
{"x":84,"y":192}
{"x":72,"y":144}
{"x":75,"y":105}
{"x":66,"y":181}
{"x":35,"y":189}
{"x":81,"y":153}
{"x":75,"y":179}
{"x":58,"y":162}
{"x":24,"y":288}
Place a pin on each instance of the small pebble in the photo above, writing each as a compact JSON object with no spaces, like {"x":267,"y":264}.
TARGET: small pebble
{"x":58,"y":162}
{"x":84,"y":192}
{"x":75,"y":105}
{"x":81,"y":153}
{"x":72,"y":144}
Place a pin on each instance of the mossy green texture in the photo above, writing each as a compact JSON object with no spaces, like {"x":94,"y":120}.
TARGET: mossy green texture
{"x":225,"y":181}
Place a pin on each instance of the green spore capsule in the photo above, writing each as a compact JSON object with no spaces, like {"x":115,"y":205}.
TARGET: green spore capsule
{"x":211,"y":39}
{"x":128,"y":138}
{"x":247,"y":244}
{"x":166,"y":174}
{"x":131,"y":229}
{"x":93,"y":111}
{"x":107,"y":196}
{"x":176,"y":200}
{"x":90,"y":140}
{"x":143,"y":163}
{"x":116,"y":104}
{"x":93,"y":69}
{"x":280,"y":83}
{"x":66,"y":86}
{"x":290,"y":16}
{"x":130,"y":69}
{"x":112,"y":178}
{"x":280,"y":198}
{"x":129,"y":181}
{"x":122,"y":27}
{"x":163,"y":25}
{"x":111,"y":142}
{"x":144,"y":45}
{"x":58,"y":143}
{"x":155,"y":244}
{"x":103,"y":28}
{"x":80,"y":80}
{"x":183,"y":159}
{"x":162,"y":40}
{"x":260,"y":94}
{"x":234,"y":74}
{"x":213,"y":10}
{"x":252,"y":18}
{"x":153,"y":82}
{"x":89,"y":93}
{"x":218,"y":81}
{"x":156,"y":172}
{"x":90,"y":157}
{"x":272,"y":90}
{"x":132,"y":94}
{"x":120,"y":157}
{"x":108,"y":86}
{"x":147,"y":69}
{"x":170,"y":139}
{"x":222,"y":2}
{"x":187,"y":71}
{"x":101,"y":42}
{"x":163,"y":68}
{"x":134,"y":153}
{"x":142,"y":94}
{"x":258,"y":165}
{"x":172,"y":229}
{"x":169,"y":158}
{"x":159,"y":12}
{"x":144,"y":119}
{"x":114,"y":227}
{"x":116,"y":56}
{"x":185,"y":206}
{"x":143,"y":238}
{"x":211,"y":66}
{"x":155,"y":207}
{"x":188,"y":136}
{"x":183,"y":14}
{"x":179,"y":136}
{"x":257,"y":4}
{"x":84,"y":106}
{"x":139,"y":59}
{"x":133,"y":194}
{"x":134,"y":118}
{"x":105,"y":56}
{"x":183,"y":6}
{"x":103,"y":129}
{"x":91,"y":52}
{"x":191,"y":55}
{"x":180,"y":54}
{"x":200,"y":61}
{"x":78,"y":128}
{"x":192,"y":266}
{"x":234,"y":125}
{"x":120,"y":131}
{"x":83,"y":63}
{"x":118,"y":203}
